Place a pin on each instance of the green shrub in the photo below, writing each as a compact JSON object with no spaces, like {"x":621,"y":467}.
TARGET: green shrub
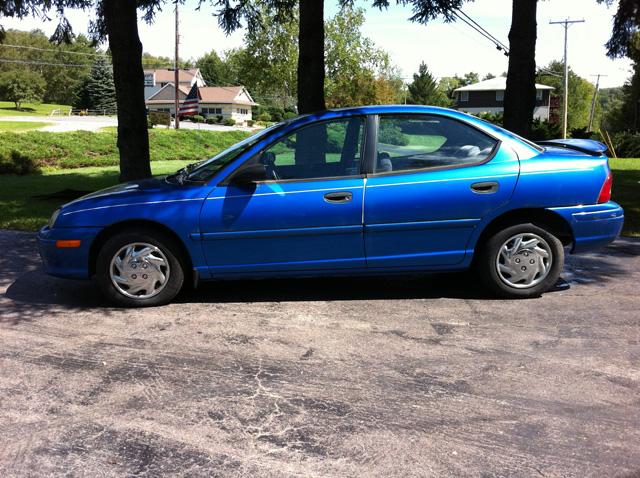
{"x":19,"y":164}
{"x":626,"y":144}
{"x":544,"y":130}
{"x":250,"y":123}
{"x":392,"y":134}
{"x":210,"y":120}
{"x":289,"y":115}
{"x":264,"y":116}
{"x":197,"y":119}
{"x":229,"y":122}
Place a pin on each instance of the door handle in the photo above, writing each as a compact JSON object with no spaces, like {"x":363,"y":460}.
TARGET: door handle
{"x":487,"y":187}
{"x":338,"y":197}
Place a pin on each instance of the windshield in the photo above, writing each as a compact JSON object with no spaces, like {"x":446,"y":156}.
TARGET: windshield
{"x":210,"y":167}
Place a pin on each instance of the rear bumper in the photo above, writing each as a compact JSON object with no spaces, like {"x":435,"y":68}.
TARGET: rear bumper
{"x":71,"y":263}
{"x":593,"y":226}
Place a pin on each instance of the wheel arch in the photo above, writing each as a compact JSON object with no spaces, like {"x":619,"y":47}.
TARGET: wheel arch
{"x":549,"y":220}
{"x":146,"y":225}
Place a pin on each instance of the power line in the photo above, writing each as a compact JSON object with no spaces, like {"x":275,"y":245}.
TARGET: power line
{"x":43,"y":63}
{"x":472,"y":23}
{"x":498,"y":42}
{"x":53,"y":50}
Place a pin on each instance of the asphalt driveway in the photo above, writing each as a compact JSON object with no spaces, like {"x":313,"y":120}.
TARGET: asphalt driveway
{"x":350,"y":377}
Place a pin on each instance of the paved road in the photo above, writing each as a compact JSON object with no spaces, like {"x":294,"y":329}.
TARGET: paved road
{"x":59,"y":124}
{"x":363,"y":377}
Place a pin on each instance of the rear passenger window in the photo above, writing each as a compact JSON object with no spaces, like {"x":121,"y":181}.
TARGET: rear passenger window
{"x":410,"y":142}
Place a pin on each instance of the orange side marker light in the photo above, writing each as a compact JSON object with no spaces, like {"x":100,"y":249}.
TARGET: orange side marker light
{"x":68,"y":243}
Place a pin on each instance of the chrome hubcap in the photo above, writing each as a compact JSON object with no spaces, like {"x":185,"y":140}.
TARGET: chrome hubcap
{"x":139,"y":270}
{"x":524,"y":261}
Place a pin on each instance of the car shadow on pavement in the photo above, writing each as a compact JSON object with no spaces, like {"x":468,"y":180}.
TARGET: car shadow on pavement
{"x":33,"y":294}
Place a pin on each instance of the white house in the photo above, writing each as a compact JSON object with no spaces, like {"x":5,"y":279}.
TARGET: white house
{"x":233,"y":102}
{"x":155,"y":79}
{"x":488,"y":97}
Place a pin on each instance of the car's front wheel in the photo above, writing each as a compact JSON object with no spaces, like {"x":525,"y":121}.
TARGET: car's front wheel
{"x":521,"y":261}
{"x":139,"y":269}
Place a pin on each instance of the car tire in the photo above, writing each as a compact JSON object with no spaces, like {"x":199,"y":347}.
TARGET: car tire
{"x":511,"y":270}
{"x":139,"y":268}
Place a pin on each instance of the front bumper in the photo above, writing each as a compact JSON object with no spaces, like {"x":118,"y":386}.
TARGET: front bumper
{"x":70,"y":263}
{"x":593,"y":226}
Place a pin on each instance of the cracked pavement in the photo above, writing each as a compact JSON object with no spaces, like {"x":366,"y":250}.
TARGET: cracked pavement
{"x":402,"y":376}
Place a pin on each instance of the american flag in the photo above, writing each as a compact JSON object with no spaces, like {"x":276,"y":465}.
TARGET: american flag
{"x":191,"y":103}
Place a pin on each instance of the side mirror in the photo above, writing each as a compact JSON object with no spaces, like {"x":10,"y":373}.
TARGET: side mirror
{"x":249,"y":175}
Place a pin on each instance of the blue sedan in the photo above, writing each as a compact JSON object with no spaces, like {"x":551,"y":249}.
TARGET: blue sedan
{"x":369,"y":190}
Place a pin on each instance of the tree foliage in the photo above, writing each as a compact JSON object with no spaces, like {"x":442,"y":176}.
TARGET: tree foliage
{"x":626,"y":24}
{"x":62,"y":66}
{"x":424,"y":90}
{"x":580,"y":93}
{"x":21,"y":86}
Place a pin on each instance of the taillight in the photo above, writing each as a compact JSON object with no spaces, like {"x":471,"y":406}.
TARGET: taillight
{"x":605,"y":192}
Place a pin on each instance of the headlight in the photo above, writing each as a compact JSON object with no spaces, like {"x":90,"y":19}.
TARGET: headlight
{"x":54,"y":216}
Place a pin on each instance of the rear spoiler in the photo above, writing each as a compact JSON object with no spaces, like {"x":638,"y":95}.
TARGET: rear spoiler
{"x":587,"y":146}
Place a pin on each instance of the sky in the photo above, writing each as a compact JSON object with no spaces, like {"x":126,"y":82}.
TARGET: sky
{"x":447,"y":48}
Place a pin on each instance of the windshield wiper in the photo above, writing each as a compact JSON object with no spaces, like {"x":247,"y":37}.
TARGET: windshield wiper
{"x":182,"y":174}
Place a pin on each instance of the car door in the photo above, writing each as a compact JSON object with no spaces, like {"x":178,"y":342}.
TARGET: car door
{"x":306,"y":215}
{"x":434,"y":179}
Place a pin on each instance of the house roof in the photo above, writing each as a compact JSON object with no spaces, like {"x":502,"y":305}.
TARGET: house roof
{"x":165,"y":75}
{"x":495,"y":84}
{"x":237,"y":95}
{"x":226,"y":94}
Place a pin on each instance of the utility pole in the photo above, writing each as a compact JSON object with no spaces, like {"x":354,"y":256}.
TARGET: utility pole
{"x":566,"y":24}
{"x":593,"y":102}
{"x":176,"y":71}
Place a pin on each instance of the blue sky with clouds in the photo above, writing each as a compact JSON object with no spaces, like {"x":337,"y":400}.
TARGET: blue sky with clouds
{"x":447,"y":48}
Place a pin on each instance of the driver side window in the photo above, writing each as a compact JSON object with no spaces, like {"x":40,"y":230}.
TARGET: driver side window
{"x":320,"y":150}
{"x":411,"y":142}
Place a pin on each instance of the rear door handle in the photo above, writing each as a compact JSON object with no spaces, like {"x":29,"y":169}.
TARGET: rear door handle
{"x":486,"y":187}
{"x":338,"y":197}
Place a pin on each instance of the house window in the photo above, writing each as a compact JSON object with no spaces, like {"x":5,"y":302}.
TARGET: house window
{"x":500,"y":96}
{"x":464,"y":96}
{"x":211,"y":111}
{"x":539,"y":95}
{"x":243,"y":111}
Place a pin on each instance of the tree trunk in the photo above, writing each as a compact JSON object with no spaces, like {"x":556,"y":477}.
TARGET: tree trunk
{"x":121,"y":19}
{"x":520,"y":96}
{"x":311,"y":57}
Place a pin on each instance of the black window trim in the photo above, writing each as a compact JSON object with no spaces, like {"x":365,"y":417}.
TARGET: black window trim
{"x":363,"y":159}
{"x":370,"y":170}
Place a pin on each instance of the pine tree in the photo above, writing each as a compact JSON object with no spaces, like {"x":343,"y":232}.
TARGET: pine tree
{"x":424,"y":89}
{"x":97,"y":91}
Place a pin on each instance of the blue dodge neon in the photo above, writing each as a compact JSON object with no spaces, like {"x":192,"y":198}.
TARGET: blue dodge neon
{"x":369,"y":190}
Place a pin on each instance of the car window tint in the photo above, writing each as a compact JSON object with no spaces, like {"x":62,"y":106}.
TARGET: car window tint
{"x":327,"y":149}
{"x":408,"y":142}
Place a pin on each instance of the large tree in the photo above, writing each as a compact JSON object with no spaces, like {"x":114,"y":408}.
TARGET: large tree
{"x":424,"y":89}
{"x":97,"y":91}
{"x":520,"y":96}
{"x":116,"y":20}
{"x":580,"y":92}
{"x":21,"y":86}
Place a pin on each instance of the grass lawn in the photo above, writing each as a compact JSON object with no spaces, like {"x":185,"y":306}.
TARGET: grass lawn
{"x":8,"y":108}
{"x":86,"y":148}
{"x":17,"y":126}
{"x":626,"y":192}
{"x":19,"y":210}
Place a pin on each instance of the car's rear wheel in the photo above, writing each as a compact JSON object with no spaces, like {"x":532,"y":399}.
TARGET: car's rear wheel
{"x":139,"y":269}
{"x":521,"y":261}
